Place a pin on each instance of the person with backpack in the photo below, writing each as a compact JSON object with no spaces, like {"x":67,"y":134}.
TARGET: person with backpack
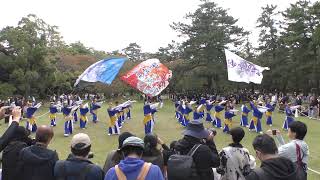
{"x":273,"y":166}
{"x":77,"y":166}
{"x":133,"y":167}
{"x":36,"y":162}
{"x":235,"y":160}
{"x":297,"y":149}
{"x":196,"y":155}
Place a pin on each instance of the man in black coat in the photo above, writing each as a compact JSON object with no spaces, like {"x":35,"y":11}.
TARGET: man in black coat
{"x":273,"y":167}
{"x":10,"y":155}
{"x":206,"y":156}
{"x":37,"y":162}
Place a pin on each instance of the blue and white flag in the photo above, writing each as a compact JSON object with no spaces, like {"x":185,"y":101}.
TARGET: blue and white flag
{"x":240,"y":70}
{"x":102,"y":71}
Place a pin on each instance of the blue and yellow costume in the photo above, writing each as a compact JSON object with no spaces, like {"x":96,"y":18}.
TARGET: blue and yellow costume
{"x":68,"y":124}
{"x":31,"y":122}
{"x":177,"y":105}
{"x":208,"y":108}
{"x":269,"y":114}
{"x":218,"y":116}
{"x":127,"y":112}
{"x":244,"y":116}
{"x":75,"y":115}
{"x":113,"y":125}
{"x":83,"y":116}
{"x":94,"y":111}
{"x":147,"y":121}
{"x":185,"y":115}
{"x":255,"y":123}
{"x":53,"y":110}
{"x":289,"y":118}
{"x":228,"y":121}
{"x":202,"y":108}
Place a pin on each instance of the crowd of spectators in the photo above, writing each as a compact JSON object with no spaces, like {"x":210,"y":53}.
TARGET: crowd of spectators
{"x":193,"y":156}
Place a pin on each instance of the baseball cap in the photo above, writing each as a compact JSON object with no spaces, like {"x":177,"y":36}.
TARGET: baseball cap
{"x":133,"y":141}
{"x":80,"y":141}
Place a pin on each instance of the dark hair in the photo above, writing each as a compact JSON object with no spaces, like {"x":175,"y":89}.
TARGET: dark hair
{"x":237,"y":134}
{"x":132,"y":150}
{"x":265,"y":144}
{"x":299,"y":128}
{"x":150,"y":145}
{"x":81,"y":152}
{"x":172,"y":145}
{"x":123,"y":136}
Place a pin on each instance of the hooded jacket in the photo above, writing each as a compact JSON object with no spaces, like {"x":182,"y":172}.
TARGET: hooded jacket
{"x":205,"y":158}
{"x":37,"y":163}
{"x":131,"y":167}
{"x":275,"y":169}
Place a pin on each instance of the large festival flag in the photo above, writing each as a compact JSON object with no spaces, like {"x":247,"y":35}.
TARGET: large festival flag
{"x":149,"y":77}
{"x":102,"y":71}
{"x":240,"y":70}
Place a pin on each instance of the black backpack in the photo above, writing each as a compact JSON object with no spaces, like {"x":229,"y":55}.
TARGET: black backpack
{"x":182,"y":166}
{"x":80,"y":176}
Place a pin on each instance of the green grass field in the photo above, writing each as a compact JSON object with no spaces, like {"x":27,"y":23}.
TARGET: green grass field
{"x":167,"y":128}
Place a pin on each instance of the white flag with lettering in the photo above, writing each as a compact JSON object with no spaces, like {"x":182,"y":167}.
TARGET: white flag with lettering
{"x":240,"y":70}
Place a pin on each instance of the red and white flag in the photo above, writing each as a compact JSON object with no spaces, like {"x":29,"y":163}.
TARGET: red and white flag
{"x":150,"y":77}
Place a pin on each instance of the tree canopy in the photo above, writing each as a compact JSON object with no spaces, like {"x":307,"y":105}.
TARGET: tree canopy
{"x":35,"y":60}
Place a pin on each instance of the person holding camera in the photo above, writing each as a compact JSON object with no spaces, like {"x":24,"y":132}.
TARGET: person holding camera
{"x":77,"y":166}
{"x":9,"y":133}
{"x":297,"y":149}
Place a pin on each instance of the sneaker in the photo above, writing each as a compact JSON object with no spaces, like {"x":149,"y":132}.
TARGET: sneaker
{"x":66,"y":135}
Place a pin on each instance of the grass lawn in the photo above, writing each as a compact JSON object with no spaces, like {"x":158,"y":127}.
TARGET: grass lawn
{"x":167,"y":128}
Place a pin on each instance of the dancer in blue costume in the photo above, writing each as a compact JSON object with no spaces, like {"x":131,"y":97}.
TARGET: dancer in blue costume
{"x":68,"y":124}
{"x":289,"y":117}
{"x":244,"y":116}
{"x":269,"y":113}
{"x":113,"y":124}
{"x":31,"y":122}
{"x":228,"y":120}
{"x":94,"y":110}
{"x":53,"y":111}
{"x":84,"y":109}
{"x":186,"y":110}
{"x":209,"y":106}
{"x":218,"y":114}
{"x":255,"y":123}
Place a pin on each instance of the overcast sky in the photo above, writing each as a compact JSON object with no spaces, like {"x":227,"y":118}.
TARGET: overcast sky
{"x":112,"y":24}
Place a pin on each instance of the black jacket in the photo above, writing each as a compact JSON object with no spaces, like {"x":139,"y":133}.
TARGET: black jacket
{"x":10,"y":158}
{"x":275,"y":169}
{"x":205,"y":158}
{"x":36,"y":163}
{"x":72,"y":168}
{"x":7,"y":135}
